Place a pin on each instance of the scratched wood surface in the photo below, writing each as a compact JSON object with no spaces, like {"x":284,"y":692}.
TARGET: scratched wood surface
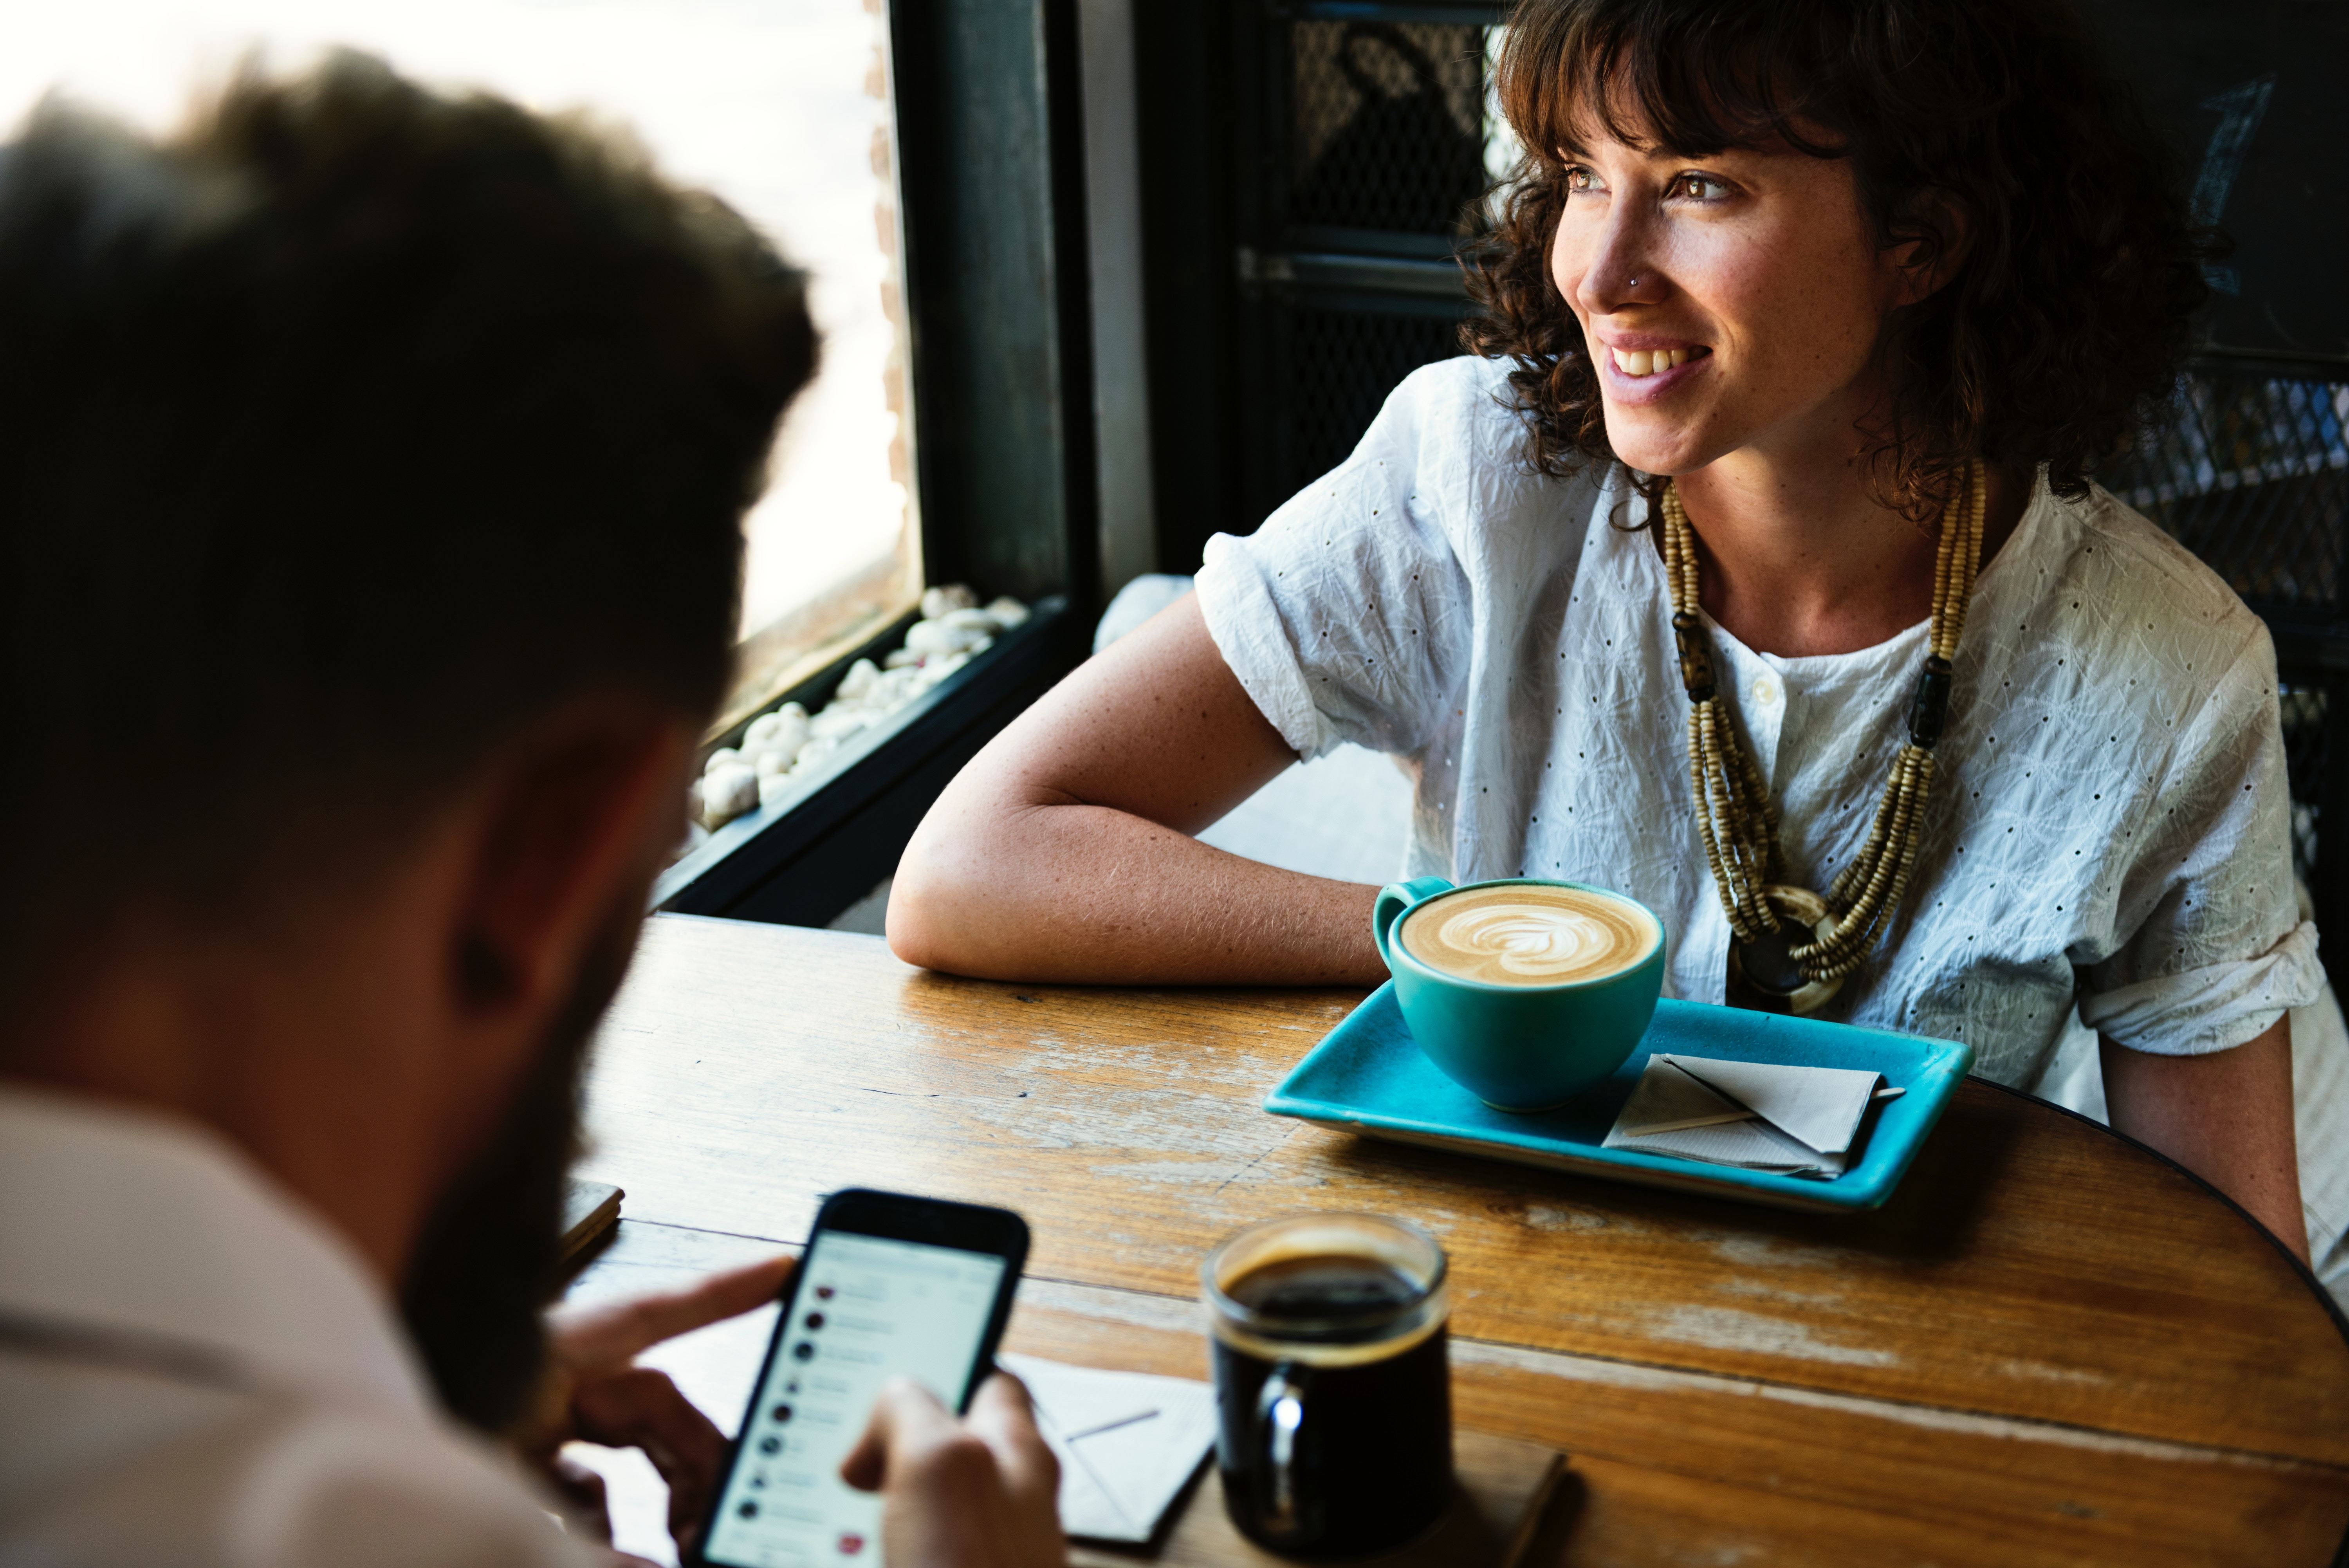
{"x":1504,"y":1487}
{"x":2050,"y":1347}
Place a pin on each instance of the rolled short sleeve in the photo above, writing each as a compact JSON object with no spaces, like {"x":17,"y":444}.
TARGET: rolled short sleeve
{"x":2217,"y":952}
{"x":1346,"y":616}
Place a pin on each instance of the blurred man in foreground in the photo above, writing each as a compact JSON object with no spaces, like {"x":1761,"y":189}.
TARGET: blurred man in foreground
{"x":370,"y":529}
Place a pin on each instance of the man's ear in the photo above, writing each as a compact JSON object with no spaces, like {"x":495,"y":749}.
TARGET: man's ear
{"x":570,"y":822}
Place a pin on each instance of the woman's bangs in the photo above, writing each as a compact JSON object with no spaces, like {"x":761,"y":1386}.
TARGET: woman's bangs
{"x":1693,"y":83}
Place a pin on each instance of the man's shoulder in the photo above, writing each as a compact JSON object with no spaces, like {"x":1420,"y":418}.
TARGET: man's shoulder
{"x":144,"y":1467}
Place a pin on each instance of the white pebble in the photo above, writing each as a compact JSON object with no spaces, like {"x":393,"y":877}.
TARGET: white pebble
{"x":722,"y":758}
{"x":775,"y":762}
{"x":930,"y":638}
{"x":761,"y":733}
{"x":901,"y":658}
{"x":835,"y":721}
{"x":791,"y":733}
{"x":727,"y":795}
{"x":1008,"y":612}
{"x":937,"y":601}
{"x":969,"y":620}
{"x":773,"y":788}
{"x":857,"y":681}
{"x":814,"y":752}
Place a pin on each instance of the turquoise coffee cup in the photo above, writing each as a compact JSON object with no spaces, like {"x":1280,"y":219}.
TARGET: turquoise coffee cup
{"x":1518,"y":1047}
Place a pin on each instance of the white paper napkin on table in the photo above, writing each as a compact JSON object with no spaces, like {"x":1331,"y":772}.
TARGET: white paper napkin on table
{"x":1804,"y":1120}
{"x":1127,"y":1442}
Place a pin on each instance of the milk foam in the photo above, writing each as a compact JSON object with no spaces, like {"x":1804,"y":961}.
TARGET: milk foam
{"x":1520,"y":935}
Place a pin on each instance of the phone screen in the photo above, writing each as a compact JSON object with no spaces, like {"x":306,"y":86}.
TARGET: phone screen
{"x":865,"y":1309}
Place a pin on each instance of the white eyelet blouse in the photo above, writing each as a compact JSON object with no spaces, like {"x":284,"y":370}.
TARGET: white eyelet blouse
{"x":2109,"y":826}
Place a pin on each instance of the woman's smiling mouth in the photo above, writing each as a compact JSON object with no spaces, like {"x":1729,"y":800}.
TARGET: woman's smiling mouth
{"x":1647,"y":362}
{"x":1633,"y":378}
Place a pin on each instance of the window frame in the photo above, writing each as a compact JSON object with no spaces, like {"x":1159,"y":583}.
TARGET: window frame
{"x":983,"y":97}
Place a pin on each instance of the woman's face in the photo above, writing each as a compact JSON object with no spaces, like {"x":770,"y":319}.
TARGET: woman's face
{"x":1732,"y":303}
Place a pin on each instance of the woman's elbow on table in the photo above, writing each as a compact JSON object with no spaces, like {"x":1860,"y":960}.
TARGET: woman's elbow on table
{"x":935,"y":903}
{"x":973,"y":892}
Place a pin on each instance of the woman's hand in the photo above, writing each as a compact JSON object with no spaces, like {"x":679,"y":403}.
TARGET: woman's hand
{"x":2226,"y":1117}
{"x":1064,"y":852}
{"x":982,"y":1493}
{"x":596,"y":1392}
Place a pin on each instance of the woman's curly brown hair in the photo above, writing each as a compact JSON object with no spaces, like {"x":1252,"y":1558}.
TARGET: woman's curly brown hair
{"x":2061,"y":331}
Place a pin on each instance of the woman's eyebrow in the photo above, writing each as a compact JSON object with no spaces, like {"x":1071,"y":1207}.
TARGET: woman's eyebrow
{"x":1573,"y":147}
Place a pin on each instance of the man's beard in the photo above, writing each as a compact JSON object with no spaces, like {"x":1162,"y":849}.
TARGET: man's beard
{"x":488,"y":1259}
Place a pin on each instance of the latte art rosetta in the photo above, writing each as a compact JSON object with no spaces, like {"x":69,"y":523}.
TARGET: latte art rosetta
{"x":1526,"y":935}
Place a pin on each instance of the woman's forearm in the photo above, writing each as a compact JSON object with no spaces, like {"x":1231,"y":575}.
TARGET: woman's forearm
{"x":1063,"y":851}
{"x":2226,"y":1117}
{"x":1087,"y":894}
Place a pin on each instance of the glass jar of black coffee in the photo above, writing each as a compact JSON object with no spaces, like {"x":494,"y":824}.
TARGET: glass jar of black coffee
{"x":1334,"y":1397}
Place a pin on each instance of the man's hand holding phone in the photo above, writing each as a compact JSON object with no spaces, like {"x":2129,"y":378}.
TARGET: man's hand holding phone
{"x":981,"y":1492}
{"x":976,"y":1493}
{"x":916,"y":1287}
{"x":596,"y":1392}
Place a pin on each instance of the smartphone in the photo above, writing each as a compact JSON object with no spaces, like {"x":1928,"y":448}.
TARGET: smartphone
{"x":890,"y":1285}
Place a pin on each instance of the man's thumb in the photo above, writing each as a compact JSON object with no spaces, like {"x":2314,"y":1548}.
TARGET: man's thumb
{"x":903,"y":1413}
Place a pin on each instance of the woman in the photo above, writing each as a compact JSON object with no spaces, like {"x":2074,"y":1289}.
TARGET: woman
{"x":1799,"y":314}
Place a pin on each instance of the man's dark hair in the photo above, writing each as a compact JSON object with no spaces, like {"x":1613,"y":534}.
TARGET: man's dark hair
{"x":348,"y":432}
{"x":2060,"y":333}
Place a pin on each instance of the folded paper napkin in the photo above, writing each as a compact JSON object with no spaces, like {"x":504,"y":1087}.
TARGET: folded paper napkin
{"x":1802,"y":1120}
{"x":1127,"y":1442}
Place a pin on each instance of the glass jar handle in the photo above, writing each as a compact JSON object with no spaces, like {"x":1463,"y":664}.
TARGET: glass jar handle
{"x":1279,"y":1413}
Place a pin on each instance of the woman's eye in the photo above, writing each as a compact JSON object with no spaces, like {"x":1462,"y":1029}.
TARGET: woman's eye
{"x":1697,"y":188}
{"x":1580,"y":180}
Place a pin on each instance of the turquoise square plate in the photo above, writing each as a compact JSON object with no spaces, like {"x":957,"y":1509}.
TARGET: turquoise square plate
{"x":1368,"y":1076}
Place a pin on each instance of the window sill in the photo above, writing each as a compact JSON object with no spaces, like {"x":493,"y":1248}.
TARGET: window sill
{"x":816,"y":851}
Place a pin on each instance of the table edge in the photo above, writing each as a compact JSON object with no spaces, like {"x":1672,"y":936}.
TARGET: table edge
{"x":2307,"y":1275}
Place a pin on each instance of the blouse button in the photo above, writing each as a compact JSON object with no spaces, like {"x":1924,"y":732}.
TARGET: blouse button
{"x":1766,"y":691}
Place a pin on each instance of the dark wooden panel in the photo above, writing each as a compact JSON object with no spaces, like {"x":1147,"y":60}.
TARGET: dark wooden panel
{"x":991,"y":181}
{"x":2248,"y":98}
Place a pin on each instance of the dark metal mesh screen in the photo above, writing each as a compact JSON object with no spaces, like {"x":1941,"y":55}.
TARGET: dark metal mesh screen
{"x":1387,"y":124}
{"x":2252,"y":476}
{"x":1344,"y":363}
{"x":2306,"y":745}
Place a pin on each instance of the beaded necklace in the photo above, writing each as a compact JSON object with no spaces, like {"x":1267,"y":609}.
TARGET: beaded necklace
{"x":1739,"y":821}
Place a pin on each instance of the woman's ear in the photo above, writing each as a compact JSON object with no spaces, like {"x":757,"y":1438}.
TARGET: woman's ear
{"x":1931,"y":239}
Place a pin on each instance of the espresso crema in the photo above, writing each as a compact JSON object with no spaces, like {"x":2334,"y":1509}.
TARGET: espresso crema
{"x":1527,"y":935}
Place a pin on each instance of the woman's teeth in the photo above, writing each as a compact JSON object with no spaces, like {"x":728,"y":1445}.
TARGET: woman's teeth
{"x":1642,"y":362}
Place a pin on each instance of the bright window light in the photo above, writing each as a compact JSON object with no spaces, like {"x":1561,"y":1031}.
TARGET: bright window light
{"x":773,"y":104}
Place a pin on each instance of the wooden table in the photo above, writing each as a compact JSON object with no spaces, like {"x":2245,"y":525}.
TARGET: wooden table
{"x":2050,"y":1347}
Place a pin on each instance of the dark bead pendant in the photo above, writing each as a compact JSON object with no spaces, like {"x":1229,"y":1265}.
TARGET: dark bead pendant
{"x":1762,"y":974}
{"x":1768,"y":961}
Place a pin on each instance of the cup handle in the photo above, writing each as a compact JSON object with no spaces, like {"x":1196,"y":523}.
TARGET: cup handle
{"x":1279,"y":1414}
{"x":1393,"y":900}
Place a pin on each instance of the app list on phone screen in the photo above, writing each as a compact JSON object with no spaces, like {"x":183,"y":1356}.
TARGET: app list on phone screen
{"x":868,"y":1309}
